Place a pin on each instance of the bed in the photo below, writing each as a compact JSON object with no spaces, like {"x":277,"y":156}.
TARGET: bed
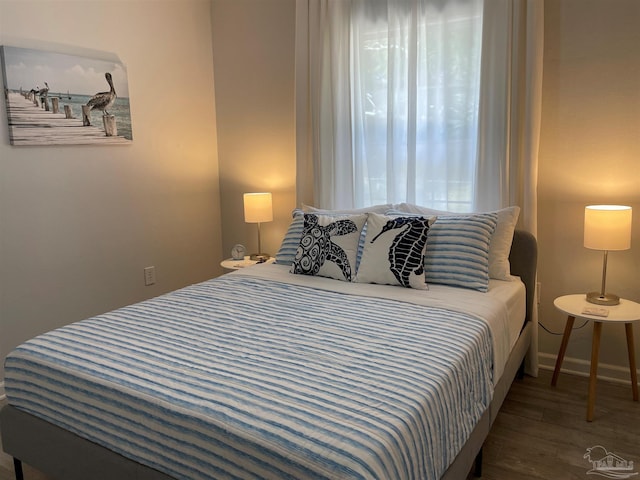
{"x":264,"y":374}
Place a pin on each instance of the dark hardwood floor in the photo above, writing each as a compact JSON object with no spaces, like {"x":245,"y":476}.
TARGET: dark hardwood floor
{"x":540,"y":433}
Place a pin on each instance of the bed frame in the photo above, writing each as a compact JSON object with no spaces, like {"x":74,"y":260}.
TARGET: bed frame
{"x":61,"y":454}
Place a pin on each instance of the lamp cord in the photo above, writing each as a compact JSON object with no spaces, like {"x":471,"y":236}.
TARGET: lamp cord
{"x":560,"y":333}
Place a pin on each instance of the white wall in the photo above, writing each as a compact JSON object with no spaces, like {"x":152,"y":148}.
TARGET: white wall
{"x":589,"y":154}
{"x":78,"y":224}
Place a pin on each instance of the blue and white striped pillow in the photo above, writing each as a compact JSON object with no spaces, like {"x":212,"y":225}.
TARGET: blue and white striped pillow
{"x":291,"y":239}
{"x":458,"y":250}
{"x":500,"y":247}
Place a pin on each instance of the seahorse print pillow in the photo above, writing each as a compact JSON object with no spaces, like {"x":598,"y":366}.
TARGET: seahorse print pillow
{"x":328,"y":246}
{"x":394,"y":251}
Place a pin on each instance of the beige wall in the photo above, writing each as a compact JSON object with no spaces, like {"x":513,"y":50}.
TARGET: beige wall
{"x":589,"y":153}
{"x":253,"y":51}
{"x":78,"y":224}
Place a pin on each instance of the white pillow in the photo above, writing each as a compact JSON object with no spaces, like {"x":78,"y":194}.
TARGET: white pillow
{"x":420,"y":210}
{"x":329,"y":246}
{"x":348,"y":211}
{"x":500,"y":245}
{"x":394,"y":251}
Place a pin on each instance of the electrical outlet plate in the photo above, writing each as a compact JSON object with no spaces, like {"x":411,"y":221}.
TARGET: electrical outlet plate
{"x":149,"y":275}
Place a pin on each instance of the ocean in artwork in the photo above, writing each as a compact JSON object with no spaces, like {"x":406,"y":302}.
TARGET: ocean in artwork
{"x":120,"y":109}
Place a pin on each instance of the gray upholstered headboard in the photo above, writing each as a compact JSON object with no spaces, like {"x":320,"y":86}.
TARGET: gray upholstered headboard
{"x":524,"y":259}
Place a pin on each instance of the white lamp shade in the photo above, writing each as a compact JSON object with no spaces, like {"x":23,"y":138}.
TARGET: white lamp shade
{"x":607,"y":227}
{"x":258,"y":207}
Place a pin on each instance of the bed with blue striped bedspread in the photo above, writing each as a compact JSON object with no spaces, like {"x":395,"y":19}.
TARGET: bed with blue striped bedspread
{"x":242,"y":378}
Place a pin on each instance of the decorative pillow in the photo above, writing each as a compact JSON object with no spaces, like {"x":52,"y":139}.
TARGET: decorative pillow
{"x":329,"y":246}
{"x":500,"y":246}
{"x":394,"y":251}
{"x":289,"y":245}
{"x":291,"y":239}
{"x":458,"y":250}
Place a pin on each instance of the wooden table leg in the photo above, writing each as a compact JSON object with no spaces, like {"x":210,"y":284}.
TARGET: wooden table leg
{"x":595,"y":353}
{"x":632,"y":360}
{"x":563,"y":348}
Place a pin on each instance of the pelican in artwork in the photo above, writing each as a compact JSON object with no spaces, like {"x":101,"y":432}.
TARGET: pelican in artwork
{"x":104,"y":100}
{"x":43,"y":92}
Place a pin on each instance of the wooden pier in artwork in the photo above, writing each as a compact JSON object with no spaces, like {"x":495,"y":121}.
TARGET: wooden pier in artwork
{"x":30,"y":124}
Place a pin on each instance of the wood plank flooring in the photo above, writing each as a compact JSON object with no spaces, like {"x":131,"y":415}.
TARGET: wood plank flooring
{"x":540,"y":433}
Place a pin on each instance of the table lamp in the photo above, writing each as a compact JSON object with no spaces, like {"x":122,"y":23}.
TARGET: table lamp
{"x":606,"y":227}
{"x":258,"y":208}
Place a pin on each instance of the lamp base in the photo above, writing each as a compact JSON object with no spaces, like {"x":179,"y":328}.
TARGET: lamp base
{"x":259,"y":257}
{"x":603,"y":298}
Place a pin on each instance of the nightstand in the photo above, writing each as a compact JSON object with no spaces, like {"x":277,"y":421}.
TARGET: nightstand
{"x":231,"y":264}
{"x":626,"y":312}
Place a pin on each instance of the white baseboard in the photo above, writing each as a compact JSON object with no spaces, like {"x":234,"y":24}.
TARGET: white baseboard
{"x":576,"y":366}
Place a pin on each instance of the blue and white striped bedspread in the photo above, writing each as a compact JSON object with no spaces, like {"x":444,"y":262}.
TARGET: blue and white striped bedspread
{"x":242,"y":378}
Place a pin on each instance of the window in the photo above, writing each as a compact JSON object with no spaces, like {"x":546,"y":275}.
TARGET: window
{"x":413,"y":71}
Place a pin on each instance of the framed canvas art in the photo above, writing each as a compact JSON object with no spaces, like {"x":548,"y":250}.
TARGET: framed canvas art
{"x":60,"y":99}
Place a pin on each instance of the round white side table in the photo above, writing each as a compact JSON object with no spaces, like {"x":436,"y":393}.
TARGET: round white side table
{"x":576,"y":306}
{"x":231,"y":264}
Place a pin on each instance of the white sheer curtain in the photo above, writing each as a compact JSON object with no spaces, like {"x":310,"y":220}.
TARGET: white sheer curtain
{"x":393,"y":90}
{"x":510,"y":103}
{"x":509,"y":116}
{"x":432,"y":102}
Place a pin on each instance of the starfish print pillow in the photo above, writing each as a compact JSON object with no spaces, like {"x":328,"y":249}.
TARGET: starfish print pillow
{"x":394,"y":251}
{"x":329,"y":246}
